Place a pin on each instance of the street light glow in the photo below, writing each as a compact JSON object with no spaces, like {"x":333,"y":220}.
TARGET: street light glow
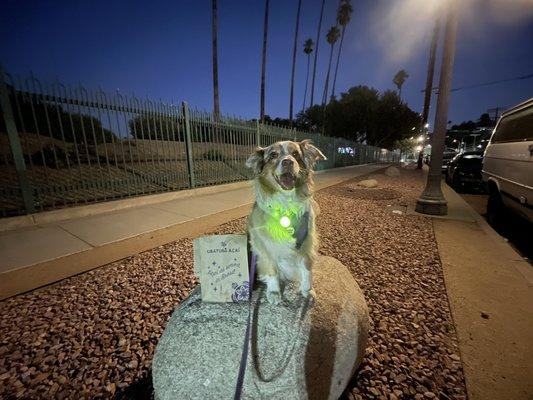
{"x":427,"y":125}
{"x":421,"y":138}
{"x":419,"y":148}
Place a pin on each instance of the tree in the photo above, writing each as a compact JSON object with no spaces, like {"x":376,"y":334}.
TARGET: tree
{"x":343,"y":17}
{"x":35,"y":115}
{"x":308,"y":49}
{"x":156,"y":127}
{"x":331,"y":37}
{"x":263,"y":64}
{"x":316,"y":52}
{"x":464,"y":126}
{"x":485,"y":121}
{"x":399,"y":80}
{"x":406,"y":145}
{"x":364,"y":115}
{"x":291,"y":102}
{"x":216,"y":100}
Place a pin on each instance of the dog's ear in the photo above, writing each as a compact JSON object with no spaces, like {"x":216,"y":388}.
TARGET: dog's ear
{"x":311,"y":153}
{"x":255,"y":161}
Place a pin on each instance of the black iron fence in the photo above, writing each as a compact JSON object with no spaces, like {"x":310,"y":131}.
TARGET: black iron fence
{"x":63,"y":146}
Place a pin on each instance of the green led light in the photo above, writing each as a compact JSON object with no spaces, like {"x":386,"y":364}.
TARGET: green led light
{"x":285,"y":221}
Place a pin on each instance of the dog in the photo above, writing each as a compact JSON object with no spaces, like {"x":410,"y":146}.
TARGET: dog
{"x":281,"y":225}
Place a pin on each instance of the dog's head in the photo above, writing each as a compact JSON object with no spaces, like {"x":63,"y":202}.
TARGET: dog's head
{"x":284,"y":166}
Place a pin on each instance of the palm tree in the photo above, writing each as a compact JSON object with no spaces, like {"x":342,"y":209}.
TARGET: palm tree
{"x":263,"y":66}
{"x":343,"y":17}
{"x":399,"y":80}
{"x":316,"y":52}
{"x":308,"y":49}
{"x":332,"y":37}
{"x":291,"y":102}
{"x":216,"y":101}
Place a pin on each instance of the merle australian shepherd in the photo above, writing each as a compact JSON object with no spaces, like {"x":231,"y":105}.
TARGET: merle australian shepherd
{"x":282,"y":223}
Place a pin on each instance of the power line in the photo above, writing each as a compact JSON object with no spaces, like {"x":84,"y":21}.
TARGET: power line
{"x":517,"y":78}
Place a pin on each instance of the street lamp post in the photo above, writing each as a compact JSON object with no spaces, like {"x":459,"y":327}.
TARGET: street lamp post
{"x":429,"y":85}
{"x":432,"y":200}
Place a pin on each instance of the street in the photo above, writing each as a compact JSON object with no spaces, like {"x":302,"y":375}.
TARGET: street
{"x":515,"y":231}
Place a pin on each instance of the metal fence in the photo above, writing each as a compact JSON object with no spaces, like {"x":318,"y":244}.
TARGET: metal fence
{"x":62,"y":146}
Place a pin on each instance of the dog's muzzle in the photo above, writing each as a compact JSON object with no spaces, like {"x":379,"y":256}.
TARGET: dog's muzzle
{"x":287,"y":178}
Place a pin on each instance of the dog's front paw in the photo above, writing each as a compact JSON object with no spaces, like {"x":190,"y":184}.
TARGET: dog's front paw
{"x":274,"y":297}
{"x":309,"y":294}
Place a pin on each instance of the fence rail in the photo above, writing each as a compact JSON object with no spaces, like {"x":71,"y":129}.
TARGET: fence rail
{"x":62,"y":146}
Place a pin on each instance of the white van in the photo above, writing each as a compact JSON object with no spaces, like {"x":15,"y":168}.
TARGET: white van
{"x":508,"y":164}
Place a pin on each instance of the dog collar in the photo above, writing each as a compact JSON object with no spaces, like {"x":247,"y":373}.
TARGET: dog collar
{"x":288,"y":224}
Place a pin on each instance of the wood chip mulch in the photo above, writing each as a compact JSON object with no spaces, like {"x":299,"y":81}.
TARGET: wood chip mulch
{"x":93,"y":335}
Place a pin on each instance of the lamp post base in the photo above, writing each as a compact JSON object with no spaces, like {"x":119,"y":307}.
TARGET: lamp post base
{"x":432,"y":206}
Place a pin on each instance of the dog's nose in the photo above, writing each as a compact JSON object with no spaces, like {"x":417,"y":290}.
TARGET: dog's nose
{"x":287,"y":162}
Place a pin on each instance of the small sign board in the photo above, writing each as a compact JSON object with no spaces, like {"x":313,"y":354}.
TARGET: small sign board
{"x":221,"y":264}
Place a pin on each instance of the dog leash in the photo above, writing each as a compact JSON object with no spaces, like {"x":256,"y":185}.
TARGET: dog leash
{"x":300,"y":235}
{"x":246,"y":346}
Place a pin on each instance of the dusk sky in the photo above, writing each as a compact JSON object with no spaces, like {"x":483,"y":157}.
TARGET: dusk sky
{"x":162,"y":49}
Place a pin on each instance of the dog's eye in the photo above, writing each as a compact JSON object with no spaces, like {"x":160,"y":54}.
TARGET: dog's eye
{"x":273,"y":155}
{"x":295,"y":154}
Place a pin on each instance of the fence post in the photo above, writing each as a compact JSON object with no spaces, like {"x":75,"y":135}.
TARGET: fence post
{"x":188,"y":145}
{"x":14,"y":144}
{"x":257,"y":134}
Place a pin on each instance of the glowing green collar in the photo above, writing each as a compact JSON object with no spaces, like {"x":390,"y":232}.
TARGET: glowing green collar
{"x":284,"y":222}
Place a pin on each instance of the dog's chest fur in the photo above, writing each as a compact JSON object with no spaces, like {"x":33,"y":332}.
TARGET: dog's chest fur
{"x":283,"y":252}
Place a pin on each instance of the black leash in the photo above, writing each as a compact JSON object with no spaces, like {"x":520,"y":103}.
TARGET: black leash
{"x":244,"y":357}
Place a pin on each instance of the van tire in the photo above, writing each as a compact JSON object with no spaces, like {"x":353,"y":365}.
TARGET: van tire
{"x":495,"y":209}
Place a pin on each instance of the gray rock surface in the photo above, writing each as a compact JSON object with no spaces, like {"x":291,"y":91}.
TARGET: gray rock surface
{"x":368,"y":183}
{"x":298,"y":350}
{"x":392,"y":172}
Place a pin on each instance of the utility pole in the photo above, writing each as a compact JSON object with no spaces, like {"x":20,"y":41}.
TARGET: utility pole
{"x":432,"y":200}
{"x":429,"y":85}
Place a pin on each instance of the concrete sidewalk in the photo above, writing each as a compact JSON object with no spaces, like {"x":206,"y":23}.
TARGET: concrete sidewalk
{"x":47,"y":248}
{"x":490,"y":290}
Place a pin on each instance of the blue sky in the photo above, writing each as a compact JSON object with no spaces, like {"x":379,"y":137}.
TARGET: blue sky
{"x":162,"y":49}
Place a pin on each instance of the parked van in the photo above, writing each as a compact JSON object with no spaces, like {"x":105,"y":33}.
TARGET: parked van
{"x":508,"y":164}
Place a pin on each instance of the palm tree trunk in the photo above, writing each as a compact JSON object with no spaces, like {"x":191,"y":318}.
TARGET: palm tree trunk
{"x":263,"y":66}
{"x":326,"y":84}
{"x":325,"y":95}
{"x":216,"y":101}
{"x":337,"y":65}
{"x":306,"y":81}
{"x":316,"y":54}
{"x":291,"y":102}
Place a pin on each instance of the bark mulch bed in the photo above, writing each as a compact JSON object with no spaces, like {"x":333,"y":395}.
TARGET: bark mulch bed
{"x":93,"y":335}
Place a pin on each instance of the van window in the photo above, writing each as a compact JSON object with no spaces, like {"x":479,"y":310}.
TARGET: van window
{"x":515,"y":128}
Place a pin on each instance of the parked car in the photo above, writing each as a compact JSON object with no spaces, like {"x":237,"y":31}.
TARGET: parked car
{"x":508,"y":164}
{"x":464,"y":170}
{"x":447,"y":156}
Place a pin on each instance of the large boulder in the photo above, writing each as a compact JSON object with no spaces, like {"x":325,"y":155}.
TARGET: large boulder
{"x":368,"y":183}
{"x":392,"y":172}
{"x":298,"y":350}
